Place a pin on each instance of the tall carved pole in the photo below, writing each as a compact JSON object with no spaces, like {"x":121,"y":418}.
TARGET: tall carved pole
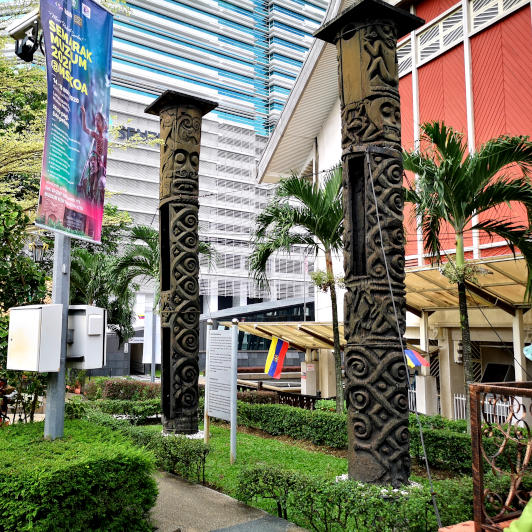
{"x":376,"y":391}
{"x":181,"y":117}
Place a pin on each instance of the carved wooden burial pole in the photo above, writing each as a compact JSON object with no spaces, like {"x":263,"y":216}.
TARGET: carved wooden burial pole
{"x":181,"y":117}
{"x":376,"y":387}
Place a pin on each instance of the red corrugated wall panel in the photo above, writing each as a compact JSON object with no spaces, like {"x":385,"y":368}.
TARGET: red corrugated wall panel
{"x":407,"y":116}
{"x":407,"y":141}
{"x":442,"y":98}
{"x":429,"y":9}
{"x":502,"y":93}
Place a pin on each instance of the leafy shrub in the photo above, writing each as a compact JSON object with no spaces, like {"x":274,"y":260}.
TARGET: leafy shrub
{"x":140,"y":412}
{"x":439,"y":422}
{"x":446,"y":449}
{"x":175,"y":454}
{"x":74,"y":408}
{"x":126,"y":389}
{"x":180,"y":455}
{"x":324,"y":505}
{"x":92,"y":479}
{"x":94,"y":388}
{"x":319,"y":427}
{"x":266,"y":482}
{"x":257,"y":397}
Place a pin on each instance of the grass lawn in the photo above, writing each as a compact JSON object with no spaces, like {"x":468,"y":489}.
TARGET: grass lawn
{"x":252,"y":450}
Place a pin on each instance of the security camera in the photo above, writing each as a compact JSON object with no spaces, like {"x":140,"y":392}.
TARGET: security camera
{"x":25,"y":31}
{"x":22,"y":25}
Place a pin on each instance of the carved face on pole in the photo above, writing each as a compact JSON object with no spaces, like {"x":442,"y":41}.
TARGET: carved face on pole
{"x":181,"y":117}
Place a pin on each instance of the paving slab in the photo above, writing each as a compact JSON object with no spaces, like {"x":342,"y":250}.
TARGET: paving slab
{"x":185,"y":507}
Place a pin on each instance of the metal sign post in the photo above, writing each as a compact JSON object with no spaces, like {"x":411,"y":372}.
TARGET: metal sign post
{"x":234,"y":369}
{"x":206,"y":419}
{"x":54,"y":420}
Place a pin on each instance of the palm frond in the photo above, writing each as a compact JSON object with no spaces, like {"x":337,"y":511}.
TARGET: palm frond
{"x":502,"y":191}
{"x":496,"y":155}
{"x":449,"y":143}
{"x":517,"y":237}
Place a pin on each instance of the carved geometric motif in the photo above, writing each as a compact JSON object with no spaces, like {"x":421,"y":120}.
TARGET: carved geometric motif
{"x":377,"y":401}
{"x":180,"y":309}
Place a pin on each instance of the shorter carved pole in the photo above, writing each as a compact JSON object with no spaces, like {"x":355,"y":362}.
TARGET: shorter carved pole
{"x":181,"y":117}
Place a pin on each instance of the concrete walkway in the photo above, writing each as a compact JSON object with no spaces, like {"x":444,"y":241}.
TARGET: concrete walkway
{"x":185,"y":507}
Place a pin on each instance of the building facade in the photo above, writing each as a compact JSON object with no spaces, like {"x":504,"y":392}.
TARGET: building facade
{"x":467,"y":66}
{"x":245,"y":55}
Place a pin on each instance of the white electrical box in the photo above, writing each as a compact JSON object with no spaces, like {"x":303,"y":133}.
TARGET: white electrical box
{"x":87,"y":338}
{"x":34,"y":340}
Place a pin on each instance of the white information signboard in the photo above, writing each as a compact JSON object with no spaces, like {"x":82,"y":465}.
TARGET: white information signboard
{"x":219,"y":375}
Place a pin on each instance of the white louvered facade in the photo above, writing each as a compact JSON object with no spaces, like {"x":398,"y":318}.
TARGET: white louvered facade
{"x":245,"y":55}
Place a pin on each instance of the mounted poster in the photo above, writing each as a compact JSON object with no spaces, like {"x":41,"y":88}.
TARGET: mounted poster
{"x":78,"y":40}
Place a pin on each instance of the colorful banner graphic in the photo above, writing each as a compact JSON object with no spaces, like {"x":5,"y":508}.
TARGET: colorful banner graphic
{"x":78,"y":39}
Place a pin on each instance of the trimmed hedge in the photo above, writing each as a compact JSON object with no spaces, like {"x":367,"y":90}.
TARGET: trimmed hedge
{"x":319,"y":427}
{"x":128,"y":390}
{"x":139,"y":412}
{"x":347,"y":505}
{"x":447,"y":443}
{"x":92,"y":479}
{"x":258,"y":397}
{"x":175,"y":454}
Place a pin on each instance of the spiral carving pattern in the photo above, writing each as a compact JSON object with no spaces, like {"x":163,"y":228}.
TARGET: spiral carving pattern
{"x":180,"y":309}
{"x":376,"y":389}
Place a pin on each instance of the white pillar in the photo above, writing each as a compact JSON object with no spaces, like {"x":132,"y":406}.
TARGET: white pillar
{"x":327,"y":374}
{"x":446,"y":384}
{"x":243,"y":294}
{"x":424,"y":338}
{"x":518,"y":337}
{"x":212,"y":303}
{"x":426,"y":388}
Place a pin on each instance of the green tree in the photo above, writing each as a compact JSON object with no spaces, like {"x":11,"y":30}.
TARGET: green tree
{"x":310,"y":215}
{"x":22,"y":117}
{"x":454,"y":186}
{"x":140,"y":260}
{"x":22,"y":282}
{"x":93,"y":282}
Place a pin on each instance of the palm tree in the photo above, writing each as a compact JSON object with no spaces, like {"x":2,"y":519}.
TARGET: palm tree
{"x":311,"y":215}
{"x":141,"y":258}
{"x":93,"y":281}
{"x":454,"y":187}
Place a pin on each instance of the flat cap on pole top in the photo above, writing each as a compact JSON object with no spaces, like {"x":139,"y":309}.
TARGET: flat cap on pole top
{"x":174,"y":99}
{"x":367,"y":11}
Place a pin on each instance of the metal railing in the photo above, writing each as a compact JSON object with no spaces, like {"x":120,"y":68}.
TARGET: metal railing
{"x":412,"y":401}
{"x":492,"y":412}
{"x":501,"y":440}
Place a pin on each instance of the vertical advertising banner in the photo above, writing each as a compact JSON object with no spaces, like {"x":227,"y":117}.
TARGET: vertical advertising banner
{"x":78,"y":40}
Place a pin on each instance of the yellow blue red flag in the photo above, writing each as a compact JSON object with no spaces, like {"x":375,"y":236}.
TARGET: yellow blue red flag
{"x":275,"y":359}
{"x":413,"y":359}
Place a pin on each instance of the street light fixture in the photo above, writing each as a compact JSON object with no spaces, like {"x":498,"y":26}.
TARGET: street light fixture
{"x":37,"y":250}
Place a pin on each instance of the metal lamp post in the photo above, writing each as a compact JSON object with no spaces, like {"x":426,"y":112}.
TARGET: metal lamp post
{"x":376,"y":387}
